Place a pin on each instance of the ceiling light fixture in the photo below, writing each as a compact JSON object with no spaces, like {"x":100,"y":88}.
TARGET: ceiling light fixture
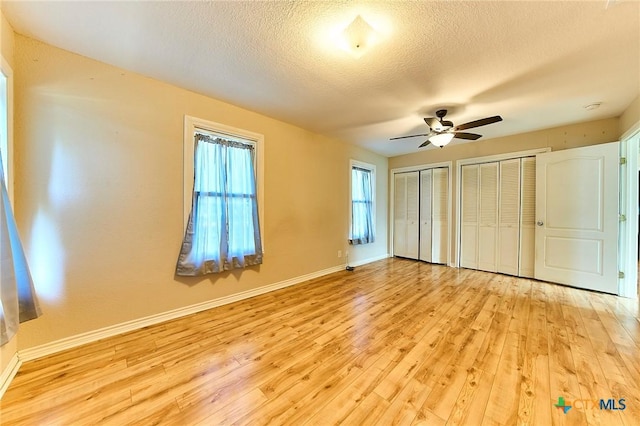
{"x":358,"y":37}
{"x":593,"y":106}
{"x":441,"y":139}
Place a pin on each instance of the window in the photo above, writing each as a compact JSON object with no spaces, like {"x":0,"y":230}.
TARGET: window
{"x":5,"y":124}
{"x":223,"y":226}
{"x":18,"y":302}
{"x":362,"y":203}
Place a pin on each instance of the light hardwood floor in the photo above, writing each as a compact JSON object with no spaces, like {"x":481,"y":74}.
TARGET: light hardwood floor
{"x":394,"y":342}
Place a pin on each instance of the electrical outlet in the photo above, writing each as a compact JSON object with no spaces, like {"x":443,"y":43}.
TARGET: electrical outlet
{"x":339,"y":253}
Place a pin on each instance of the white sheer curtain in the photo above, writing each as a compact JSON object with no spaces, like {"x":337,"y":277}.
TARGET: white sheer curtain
{"x":223,"y":231}
{"x":18,"y":302}
{"x":362,"y":227}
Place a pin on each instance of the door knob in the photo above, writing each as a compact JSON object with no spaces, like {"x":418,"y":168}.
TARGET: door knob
{"x":539,"y":223}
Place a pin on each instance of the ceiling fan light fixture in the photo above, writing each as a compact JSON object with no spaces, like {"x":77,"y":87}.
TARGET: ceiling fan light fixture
{"x":441,"y":139}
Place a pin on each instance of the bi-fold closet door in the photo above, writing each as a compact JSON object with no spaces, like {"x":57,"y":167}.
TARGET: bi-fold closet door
{"x":497,"y":216}
{"x":421,"y":215}
{"x":406,"y":226}
{"x":434,"y":214}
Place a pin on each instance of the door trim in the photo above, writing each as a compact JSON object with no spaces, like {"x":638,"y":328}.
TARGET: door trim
{"x":627,"y":236}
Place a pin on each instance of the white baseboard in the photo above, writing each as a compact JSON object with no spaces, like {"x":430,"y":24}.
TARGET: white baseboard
{"x":369,"y":260}
{"x":94,"y":335}
{"x":9,"y":373}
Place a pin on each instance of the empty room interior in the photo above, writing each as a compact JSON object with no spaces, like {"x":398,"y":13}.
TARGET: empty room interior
{"x":327,"y":212}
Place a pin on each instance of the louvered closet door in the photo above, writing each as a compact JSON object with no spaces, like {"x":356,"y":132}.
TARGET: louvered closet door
{"x":440,"y":215}
{"x":425,"y":215}
{"x":469,"y":217}
{"x":527,"y":217}
{"x":405,"y":215}
{"x":509,"y":217}
{"x":413,"y":220}
{"x":488,"y":224}
{"x":400,"y":215}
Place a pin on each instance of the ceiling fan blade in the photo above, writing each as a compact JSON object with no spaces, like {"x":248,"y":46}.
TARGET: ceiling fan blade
{"x":410,"y":136}
{"x":432,"y":122}
{"x":425,"y":143}
{"x":478,"y":123}
{"x":469,"y":136}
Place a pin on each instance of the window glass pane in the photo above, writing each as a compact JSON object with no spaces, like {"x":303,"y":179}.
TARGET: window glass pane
{"x":208,"y":160}
{"x":207,"y":218}
{"x":240,"y":171}
{"x":241,"y":226}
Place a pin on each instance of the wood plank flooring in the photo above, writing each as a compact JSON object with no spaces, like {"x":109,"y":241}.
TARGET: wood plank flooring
{"x":394,"y":342}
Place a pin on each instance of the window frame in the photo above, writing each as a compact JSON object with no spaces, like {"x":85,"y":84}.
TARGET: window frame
{"x":193,"y":124}
{"x":372,"y":169}
{"x":6,"y":143}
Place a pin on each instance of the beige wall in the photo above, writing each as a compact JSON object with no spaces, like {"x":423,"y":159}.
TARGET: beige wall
{"x":594,"y":132}
{"x":6,"y":39}
{"x":8,"y":350}
{"x":99,"y":194}
{"x":631,"y":116}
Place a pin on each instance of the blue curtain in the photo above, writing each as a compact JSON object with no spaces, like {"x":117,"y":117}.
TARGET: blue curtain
{"x":223,"y":231}
{"x":18,"y":302}
{"x":362,"y":226}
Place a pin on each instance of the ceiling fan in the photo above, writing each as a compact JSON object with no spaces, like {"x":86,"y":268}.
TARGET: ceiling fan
{"x":442,"y":131}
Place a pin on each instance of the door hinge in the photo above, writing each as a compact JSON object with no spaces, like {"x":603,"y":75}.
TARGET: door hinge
{"x":620,"y":274}
{"x":622,"y":218}
{"x":623,"y":160}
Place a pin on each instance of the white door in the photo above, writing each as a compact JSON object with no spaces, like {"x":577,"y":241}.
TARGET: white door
{"x":469,"y":217}
{"x":413,"y":212}
{"x":425,"y":214}
{"x":440,"y":216}
{"x":488,"y":224}
{"x":577,"y":217}
{"x":509,"y":217}
{"x":405,"y":215}
{"x":527,"y":217}
{"x":399,"y":214}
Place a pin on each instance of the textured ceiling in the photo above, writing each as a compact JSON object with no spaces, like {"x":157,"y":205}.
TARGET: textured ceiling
{"x":535,"y":63}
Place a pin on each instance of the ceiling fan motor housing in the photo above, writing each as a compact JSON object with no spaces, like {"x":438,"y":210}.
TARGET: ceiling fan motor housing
{"x":444,"y":124}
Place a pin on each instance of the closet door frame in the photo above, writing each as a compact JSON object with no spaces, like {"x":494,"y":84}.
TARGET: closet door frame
{"x":458,"y":170}
{"x":417,"y":168}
